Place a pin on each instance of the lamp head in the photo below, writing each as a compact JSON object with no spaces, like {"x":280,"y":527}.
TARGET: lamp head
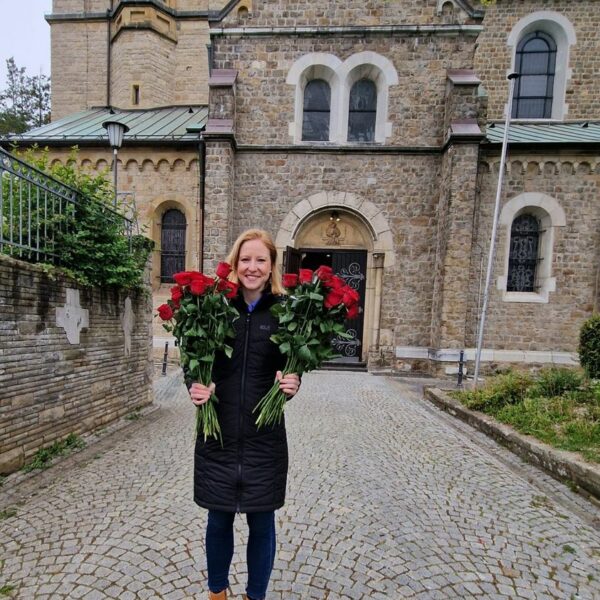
{"x":116,"y":131}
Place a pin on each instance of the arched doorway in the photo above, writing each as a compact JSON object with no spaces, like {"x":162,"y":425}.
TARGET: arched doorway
{"x":337,"y":239}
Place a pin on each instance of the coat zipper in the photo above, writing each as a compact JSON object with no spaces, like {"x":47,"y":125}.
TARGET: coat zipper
{"x":241,"y":415}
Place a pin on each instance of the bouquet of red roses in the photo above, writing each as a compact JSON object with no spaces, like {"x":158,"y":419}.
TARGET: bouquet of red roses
{"x":200,"y":317}
{"x":309,"y":317}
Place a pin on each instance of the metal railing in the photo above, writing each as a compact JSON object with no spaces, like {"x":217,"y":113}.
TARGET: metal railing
{"x":36,"y":210}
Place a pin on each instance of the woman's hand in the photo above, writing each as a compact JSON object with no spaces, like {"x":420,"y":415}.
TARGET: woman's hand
{"x":200,"y":393}
{"x":288,"y":384}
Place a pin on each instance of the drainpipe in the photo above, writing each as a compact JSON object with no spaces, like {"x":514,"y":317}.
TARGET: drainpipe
{"x":108,"y":52}
{"x":202,"y":158}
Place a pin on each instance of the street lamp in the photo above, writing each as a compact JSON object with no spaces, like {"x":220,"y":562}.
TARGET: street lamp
{"x":116,"y":131}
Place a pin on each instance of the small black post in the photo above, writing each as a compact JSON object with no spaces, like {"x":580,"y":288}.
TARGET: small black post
{"x":164,"y":368}
{"x":461,"y":364}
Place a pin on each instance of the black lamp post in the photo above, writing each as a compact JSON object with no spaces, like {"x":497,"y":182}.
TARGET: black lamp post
{"x":116,"y":131}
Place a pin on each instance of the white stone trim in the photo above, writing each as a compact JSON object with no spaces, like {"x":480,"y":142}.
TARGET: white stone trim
{"x":551,"y":215}
{"x":341,"y":77}
{"x":367,"y":212}
{"x":489,"y":355}
{"x":563,"y":33}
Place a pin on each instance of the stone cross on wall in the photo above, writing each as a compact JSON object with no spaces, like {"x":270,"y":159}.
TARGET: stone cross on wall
{"x":128,"y":323}
{"x":71,"y":317}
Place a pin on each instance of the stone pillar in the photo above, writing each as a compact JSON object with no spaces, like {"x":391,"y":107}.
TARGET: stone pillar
{"x":219,"y":138}
{"x":456,"y":208}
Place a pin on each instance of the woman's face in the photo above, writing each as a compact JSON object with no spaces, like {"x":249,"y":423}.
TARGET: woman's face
{"x":254,"y":266}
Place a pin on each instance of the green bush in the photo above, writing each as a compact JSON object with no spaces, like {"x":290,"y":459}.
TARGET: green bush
{"x":554,"y":381}
{"x":95,"y":249}
{"x":505,"y":389}
{"x":589,"y":346}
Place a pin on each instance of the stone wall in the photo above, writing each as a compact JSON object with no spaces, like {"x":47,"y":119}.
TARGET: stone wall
{"x":574,"y":182}
{"x":299,"y":13}
{"x":403,"y":187}
{"x":416,"y":103}
{"x":78,"y":66}
{"x":170,"y":69}
{"x":54,"y":382}
{"x":493,"y":57}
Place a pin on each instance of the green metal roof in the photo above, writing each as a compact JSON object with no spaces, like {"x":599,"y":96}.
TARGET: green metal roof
{"x":173,"y":124}
{"x":583,"y":132}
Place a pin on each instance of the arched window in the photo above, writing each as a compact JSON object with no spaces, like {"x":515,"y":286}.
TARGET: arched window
{"x":524,"y":254}
{"x":316,"y":111}
{"x":362,"y":112}
{"x":172,"y":245}
{"x":536,"y":64}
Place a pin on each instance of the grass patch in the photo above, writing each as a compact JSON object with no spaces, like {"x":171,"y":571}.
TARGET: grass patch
{"x":43,"y":458}
{"x":134,"y":415}
{"x":7,"y":513}
{"x":6,"y":590}
{"x":560,"y":407}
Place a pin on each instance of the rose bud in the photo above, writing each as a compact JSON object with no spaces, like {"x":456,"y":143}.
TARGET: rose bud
{"x":290,"y":280}
{"x":183,"y":278}
{"x":305,"y":275}
{"x":198,"y":286}
{"x":233,"y":290}
{"x":353,"y":312}
{"x":324,"y":273}
{"x":176,"y":293}
{"x":223,"y":270}
{"x":165,"y":312}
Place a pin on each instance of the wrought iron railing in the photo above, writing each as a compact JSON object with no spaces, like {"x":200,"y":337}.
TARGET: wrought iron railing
{"x":36,"y":210}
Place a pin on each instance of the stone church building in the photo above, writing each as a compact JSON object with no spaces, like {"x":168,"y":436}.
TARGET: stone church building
{"x":362,"y":134}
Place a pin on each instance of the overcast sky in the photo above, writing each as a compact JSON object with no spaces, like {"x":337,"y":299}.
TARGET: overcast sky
{"x":25,"y":35}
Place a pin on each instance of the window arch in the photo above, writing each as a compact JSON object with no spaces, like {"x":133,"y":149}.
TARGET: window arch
{"x":530,"y":222}
{"x":523,"y":254}
{"x":536,"y":64}
{"x":316,"y":111}
{"x":341,"y":78}
{"x":540,"y":39}
{"x":362,"y":112}
{"x":172,"y":244}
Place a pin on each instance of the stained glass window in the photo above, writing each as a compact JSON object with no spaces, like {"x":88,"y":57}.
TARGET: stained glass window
{"x":536,"y":64}
{"x":362,"y":111}
{"x":317,"y":108}
{"x":524,"y":254}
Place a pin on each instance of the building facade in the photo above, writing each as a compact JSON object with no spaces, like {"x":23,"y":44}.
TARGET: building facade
{"x":367,"y":136}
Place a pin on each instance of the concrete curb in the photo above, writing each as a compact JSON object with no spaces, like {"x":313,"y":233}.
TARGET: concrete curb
{"x":560,"y":464}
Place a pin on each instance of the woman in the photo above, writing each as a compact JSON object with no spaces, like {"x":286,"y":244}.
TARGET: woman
{"x":248,"y":474}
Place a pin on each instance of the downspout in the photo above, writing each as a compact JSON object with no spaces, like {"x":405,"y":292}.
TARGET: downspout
{"x":109,"y":13}
{"x":202,"y":157}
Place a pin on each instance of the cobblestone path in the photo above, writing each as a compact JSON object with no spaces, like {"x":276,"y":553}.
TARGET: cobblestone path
{"x":387,"y":498}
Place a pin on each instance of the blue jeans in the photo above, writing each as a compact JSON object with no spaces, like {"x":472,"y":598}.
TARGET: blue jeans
{"x":260,"y":552}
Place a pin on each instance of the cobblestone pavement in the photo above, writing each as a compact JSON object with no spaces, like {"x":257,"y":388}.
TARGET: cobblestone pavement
{"x":387,"y":498}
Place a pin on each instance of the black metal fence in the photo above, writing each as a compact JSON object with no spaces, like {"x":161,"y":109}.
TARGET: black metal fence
{"x":36,"y":210}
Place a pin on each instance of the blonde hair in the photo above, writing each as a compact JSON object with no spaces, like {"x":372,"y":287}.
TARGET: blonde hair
{"x":267,"y":240}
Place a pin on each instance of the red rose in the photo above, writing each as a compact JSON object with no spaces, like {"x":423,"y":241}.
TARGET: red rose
{"x":335,"y":283}
{"x":233,"y":290}
{"x":165,"y":312}
{"x":305,"y":275}
{"x":351,"y":297}
{"x":353,"y":312}
{"x":324,"y":273}
{"x":198,"y":286}
{"x":176,"y":293}
{"x":175,"y":304}
{"x":290,"y":280}
{"x":223,"y":270}
{"x":334,"y":298}
{"x":183,"y":278}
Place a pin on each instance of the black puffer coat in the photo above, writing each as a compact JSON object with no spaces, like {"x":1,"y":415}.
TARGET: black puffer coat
{"x":249,"y":473}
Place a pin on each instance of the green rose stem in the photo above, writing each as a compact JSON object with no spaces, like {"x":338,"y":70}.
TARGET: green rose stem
{"x":271,"y":406}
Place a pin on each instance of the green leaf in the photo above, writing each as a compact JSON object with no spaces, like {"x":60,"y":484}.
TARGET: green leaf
{"x":193,"y":364}
{"x":292,"y":326}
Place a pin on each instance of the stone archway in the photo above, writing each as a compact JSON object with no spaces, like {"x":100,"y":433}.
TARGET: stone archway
{"x":362,"y":227}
